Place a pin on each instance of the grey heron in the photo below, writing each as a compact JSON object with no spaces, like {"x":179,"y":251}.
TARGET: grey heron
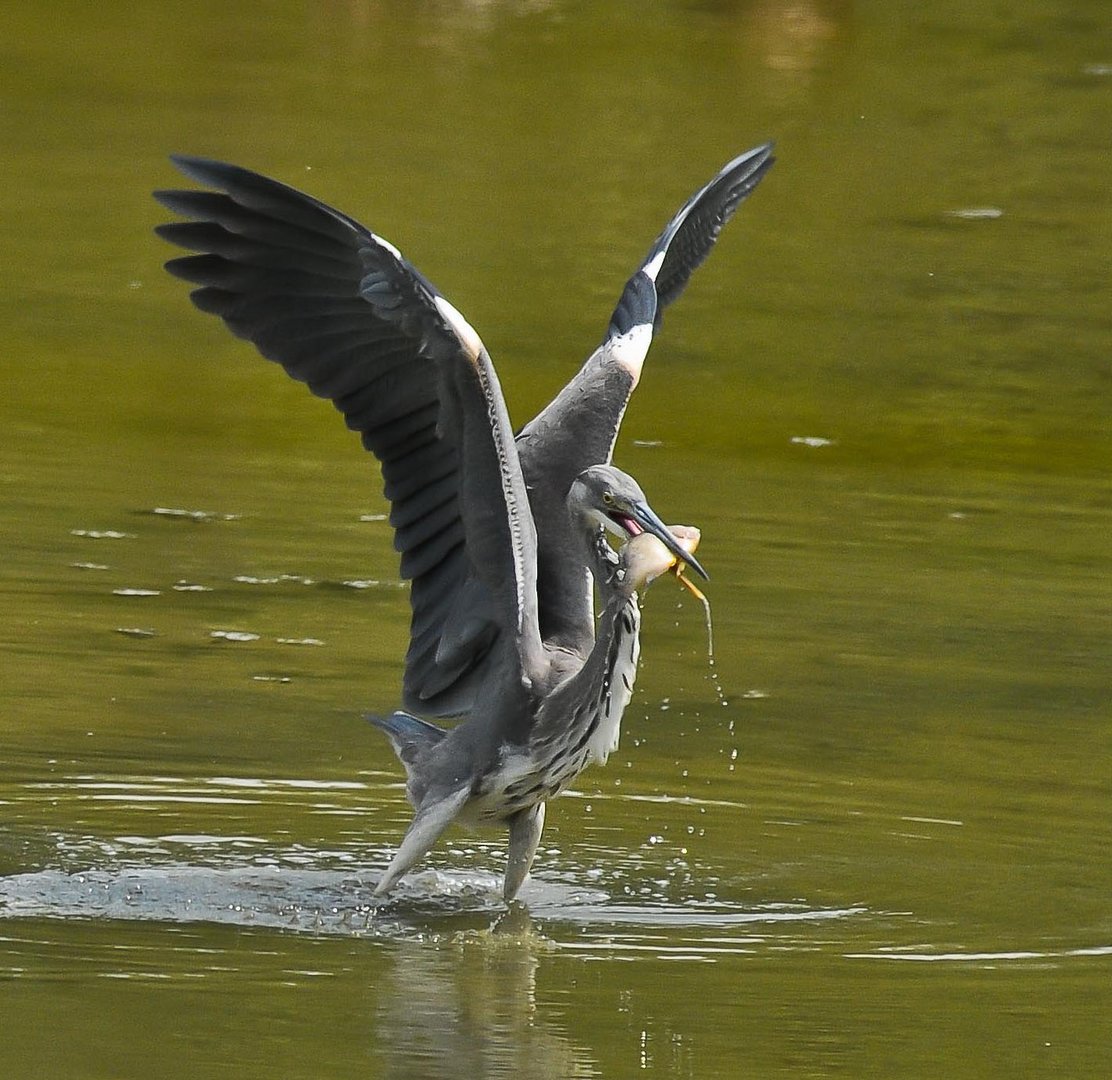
{"x":500,"y":535}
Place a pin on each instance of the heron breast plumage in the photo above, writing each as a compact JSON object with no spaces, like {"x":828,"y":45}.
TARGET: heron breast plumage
{"x":559,"y":748}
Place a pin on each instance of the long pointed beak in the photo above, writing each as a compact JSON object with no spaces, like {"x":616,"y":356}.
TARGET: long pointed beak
{"x":647,"y":518}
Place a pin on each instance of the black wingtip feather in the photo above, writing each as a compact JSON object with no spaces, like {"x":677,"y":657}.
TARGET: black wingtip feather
{"x":215,"y":173}
{"x":687,"y":239}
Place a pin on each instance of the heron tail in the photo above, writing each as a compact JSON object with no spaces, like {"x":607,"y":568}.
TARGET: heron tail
{"x":409,"y":735}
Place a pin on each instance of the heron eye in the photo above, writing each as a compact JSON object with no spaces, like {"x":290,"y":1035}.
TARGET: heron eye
{"x":608,"y":498}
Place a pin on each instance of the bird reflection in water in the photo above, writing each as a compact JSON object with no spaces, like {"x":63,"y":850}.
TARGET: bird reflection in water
{"x":469,"y":1009}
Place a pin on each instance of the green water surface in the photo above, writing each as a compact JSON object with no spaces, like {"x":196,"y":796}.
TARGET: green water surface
{"x":872,"y":840}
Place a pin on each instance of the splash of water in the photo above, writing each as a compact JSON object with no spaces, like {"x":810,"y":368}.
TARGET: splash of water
{"x":699,"y":595}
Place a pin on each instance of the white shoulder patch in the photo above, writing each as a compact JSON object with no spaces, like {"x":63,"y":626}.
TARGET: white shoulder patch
{"x":652,"y":267}
{"x":631,"y":348}
{"x":463,"y":330}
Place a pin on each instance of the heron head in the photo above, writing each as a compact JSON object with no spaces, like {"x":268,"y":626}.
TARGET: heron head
{"x":603,"y":496}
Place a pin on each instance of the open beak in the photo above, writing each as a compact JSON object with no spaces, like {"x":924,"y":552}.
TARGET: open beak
{"x":642,"y":517}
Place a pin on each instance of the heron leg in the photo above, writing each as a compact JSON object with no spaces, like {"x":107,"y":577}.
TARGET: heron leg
{"x":424,"y":830}
{"x":525,"y":834}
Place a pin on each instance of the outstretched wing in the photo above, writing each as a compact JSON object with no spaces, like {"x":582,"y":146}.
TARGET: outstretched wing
{"x":342,"y":311}
{"x":580,"y":426}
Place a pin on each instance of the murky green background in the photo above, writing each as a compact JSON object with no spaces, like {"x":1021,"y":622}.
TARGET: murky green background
{"x":885,"y":853}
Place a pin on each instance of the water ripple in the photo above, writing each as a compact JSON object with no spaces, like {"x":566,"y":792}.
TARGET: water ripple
{"x":339,"y":902}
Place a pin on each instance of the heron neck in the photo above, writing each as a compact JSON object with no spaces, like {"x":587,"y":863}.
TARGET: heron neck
{"x":598,"y":693}
{"x":612,"y":668}
{"x":609,"y":568}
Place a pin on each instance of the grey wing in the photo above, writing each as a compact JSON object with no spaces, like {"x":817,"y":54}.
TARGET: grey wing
{"x":580,"y":426}
{"x":342,"y":311}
